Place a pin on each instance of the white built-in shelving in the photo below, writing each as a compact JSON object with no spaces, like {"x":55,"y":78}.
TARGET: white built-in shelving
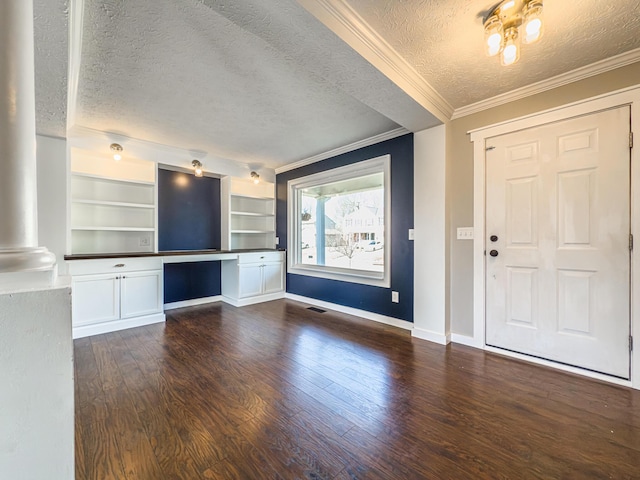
{"x":112,"y":204}
{"x":248,"y":219}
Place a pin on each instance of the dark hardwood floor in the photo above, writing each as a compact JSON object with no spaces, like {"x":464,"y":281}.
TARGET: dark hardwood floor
{"x":277,"y":391}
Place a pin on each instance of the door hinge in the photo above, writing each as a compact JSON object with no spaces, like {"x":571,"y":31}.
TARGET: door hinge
{"x":630,"y":343}
{"x":631,"y":241}
{"x":630,"y":139}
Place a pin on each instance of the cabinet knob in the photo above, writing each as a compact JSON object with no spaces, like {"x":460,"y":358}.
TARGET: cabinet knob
{"x":119,"y":265}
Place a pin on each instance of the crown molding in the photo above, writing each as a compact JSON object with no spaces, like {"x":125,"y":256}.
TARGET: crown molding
{"x":345,"y":22}
{"x":608,"y":64}
{"x":347,"y":148}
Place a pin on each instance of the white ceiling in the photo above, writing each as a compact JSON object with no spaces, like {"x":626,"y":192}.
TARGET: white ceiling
{"x":268,"y":83}
{"x":443,"y":41}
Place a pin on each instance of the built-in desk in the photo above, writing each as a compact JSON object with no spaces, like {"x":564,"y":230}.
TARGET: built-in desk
{"x":123,"y":290}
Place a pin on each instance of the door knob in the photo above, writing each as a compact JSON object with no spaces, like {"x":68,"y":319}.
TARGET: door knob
{"x":493,"y":253}
{"x":493,"y":238}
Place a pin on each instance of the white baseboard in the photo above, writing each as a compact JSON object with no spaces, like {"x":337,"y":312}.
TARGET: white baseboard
{"x":192,"y":303}
{"x":114,"y":326}
{"x":431,"y":336}
{"x":376,"y":317}
{"x":465,"y":340}
{"x":243,"y":302}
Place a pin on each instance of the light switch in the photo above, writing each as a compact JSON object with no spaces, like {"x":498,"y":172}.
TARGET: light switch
{"x":395,"y":297}
{"x":465,"y":233}
{"x":411,"y":234}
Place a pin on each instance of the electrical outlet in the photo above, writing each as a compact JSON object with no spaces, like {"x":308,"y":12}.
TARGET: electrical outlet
{"x":412,"y":234}
{"x":465,"y":233}
{"x":395,"y":297}
{"x":277,"y":240}
{"x":144,"y":242}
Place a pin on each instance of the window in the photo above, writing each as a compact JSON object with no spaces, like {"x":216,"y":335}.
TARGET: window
{"x":339,"y":223}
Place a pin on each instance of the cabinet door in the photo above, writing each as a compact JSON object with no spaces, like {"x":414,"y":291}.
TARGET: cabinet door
{"x":249,"y":280}
{"x":272,"y":277}
{"x":95,"y":299}
{"x":141,"y":293}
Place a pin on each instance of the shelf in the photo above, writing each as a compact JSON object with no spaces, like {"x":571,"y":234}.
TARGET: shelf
{"x":112,"y":204}
{"x":115,"y":229}
{"x":253,"y":231}
{"x":252,"y":214}
{"x":111,"y":179}
{"x":254,"y":197}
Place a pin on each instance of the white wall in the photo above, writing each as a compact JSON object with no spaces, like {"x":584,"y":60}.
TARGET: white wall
{"x":36,"y":385}
{"x":460,"y":165}
{"x":431,"y":277}
{"x":51,"y":157}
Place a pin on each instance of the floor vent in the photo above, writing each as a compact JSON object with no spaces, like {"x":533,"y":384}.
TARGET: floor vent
{"x":316,"y":309}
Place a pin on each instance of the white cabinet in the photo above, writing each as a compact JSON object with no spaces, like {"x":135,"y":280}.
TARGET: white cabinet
{"x":248,"y":214}
{"x":112,"y":205}
{"x":252,"y":278}
{"x":96,"y":299}
{"x":141,"y":293}
{"x":113,"y":294}
{"x":273,"y":277}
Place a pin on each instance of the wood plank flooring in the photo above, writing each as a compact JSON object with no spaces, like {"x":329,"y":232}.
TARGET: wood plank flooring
{"x":276,"y":391}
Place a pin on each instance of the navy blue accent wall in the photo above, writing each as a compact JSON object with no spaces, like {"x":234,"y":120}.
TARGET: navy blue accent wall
{"x":364,"y":297}
{"x":186,"y":281}
{"x":189,"y":219}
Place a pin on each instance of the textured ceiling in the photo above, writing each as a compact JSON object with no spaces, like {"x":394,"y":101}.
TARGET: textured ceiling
{"x":237,"y":80}
{"x":51,"y":63}
{"x":266,"y":83}
{"x":443,"y":41}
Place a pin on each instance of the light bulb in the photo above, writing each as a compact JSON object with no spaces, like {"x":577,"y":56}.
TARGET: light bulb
{"x":116,"y":149}
{"x":493,"y":35}
{"x":511,"y":52}
{"x":255,"y":177}
{"x":508,"y":5}
{"x":532,"y":22}
{"x":197,"y":168}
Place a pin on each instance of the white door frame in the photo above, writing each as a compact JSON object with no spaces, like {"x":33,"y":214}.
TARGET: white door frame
{"x":629,"y":96}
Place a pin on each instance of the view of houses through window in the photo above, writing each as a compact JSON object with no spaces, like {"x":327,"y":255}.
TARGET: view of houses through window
{"x":342,"y":224}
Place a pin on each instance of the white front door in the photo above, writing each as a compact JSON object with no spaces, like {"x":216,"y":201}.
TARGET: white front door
{"x":557,"y":246}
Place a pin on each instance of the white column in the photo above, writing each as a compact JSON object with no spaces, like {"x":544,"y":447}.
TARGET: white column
{"x":431,"y":262}
{"x":19,"y":251}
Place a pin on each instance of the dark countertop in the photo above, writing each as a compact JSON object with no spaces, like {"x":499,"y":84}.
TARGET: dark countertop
{"x":169,"y":253}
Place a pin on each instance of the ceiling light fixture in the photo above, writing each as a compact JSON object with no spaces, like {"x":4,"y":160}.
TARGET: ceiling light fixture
{"x":116,"y":148}
{"x":197,"y":168}
{"x":255,"y":177}
{"x":508,"y":24}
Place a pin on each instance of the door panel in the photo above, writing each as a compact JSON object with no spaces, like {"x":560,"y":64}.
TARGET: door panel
{"x":273,"y":276}
{"x":558,"y":200}
{"x":249,"y":280}
{"x":96,"y":299}
{"x":140,"y":293}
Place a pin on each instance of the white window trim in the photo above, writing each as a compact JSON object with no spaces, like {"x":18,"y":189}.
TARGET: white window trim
{"x":374,"y":165}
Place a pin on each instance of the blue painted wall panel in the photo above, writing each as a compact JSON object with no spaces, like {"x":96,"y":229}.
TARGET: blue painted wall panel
{"x":364,"y":297}
{"x":186,"y":281}
{"x":189,"y":219}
